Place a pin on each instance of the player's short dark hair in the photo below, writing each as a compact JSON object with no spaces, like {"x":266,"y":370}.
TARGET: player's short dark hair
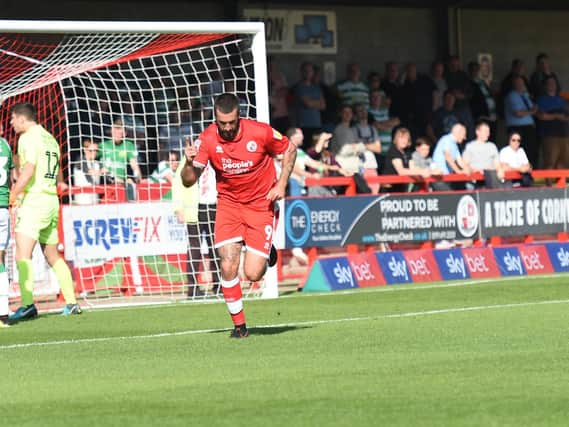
{"x":226,"y":103}
{"x":25,"y":109}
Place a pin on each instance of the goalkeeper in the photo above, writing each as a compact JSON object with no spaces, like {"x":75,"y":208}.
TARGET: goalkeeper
{"x":38,"y":213}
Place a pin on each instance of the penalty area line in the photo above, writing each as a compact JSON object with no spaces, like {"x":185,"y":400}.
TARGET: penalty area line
{"x":281,"y":325}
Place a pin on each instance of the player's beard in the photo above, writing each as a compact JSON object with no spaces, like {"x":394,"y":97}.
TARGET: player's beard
{"x":229,"y":135}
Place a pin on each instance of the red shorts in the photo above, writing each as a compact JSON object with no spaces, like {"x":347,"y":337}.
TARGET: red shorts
{"x":240,"y":223}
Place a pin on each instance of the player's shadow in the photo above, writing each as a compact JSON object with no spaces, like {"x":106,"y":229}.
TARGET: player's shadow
{"x":269,"y":330}
{"x":275,"y":330}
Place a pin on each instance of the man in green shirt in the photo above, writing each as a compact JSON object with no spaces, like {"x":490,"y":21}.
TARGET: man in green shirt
{"x":116,"y":153}
{"x":5,"y":171}
{"x":38,"y":210}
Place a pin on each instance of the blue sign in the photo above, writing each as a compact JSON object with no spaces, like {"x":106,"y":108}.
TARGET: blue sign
{"x":559,"y":256}
{"x":452,"y":264}
{"x":321,"y":221}
{"x":509,"y":261}
{"x":339,"y":273}
{"x":394,"y":267}
{"x":297,"y":222}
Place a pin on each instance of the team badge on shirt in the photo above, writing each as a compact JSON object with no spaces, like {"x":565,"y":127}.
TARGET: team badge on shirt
{"x":251,"y":146}
{"x":218,"y":149}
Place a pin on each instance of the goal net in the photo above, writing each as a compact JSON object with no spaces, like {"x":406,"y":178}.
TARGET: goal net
{"x":145,"y":87}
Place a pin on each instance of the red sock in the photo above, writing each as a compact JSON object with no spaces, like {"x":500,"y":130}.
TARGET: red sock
{"x":232,"y":294}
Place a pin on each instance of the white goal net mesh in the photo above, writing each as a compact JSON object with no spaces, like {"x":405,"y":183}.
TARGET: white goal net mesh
{"x":121,"y":234}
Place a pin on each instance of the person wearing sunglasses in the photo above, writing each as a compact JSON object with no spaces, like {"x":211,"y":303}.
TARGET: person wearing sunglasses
{"x":514,"y":158}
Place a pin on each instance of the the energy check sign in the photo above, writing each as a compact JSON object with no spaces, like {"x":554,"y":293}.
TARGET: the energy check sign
{"x":298,"y":222}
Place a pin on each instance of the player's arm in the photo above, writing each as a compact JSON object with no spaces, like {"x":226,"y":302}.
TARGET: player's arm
{"x":190,"y":173}
{"x":26,"y":174}
{"x":279,"y":190}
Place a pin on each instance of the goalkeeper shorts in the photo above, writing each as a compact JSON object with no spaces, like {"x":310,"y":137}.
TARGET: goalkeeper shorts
{"x":37,"y":218}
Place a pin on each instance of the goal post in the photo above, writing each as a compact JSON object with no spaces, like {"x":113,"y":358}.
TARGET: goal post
{"x":155,"y":80}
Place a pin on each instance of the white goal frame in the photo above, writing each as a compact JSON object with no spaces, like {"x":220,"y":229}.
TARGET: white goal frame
{"x":255,"y":30}
{"x":258,"y":47}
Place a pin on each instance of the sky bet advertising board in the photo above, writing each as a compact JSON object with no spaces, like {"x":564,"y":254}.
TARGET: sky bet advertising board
{"x":318,"y":222}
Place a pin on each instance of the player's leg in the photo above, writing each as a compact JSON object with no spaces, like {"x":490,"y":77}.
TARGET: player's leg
{"x":48,"y":238}
{"x":230,"y":256}
{"x":64,"y":278}
{"x":229,"y":232}
{"x":4,"y":284}
{"x":258,"y":240}
{"x":24,"y":248}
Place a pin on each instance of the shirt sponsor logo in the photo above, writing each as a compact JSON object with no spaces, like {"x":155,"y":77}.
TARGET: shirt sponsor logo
{"x":236,"y":167}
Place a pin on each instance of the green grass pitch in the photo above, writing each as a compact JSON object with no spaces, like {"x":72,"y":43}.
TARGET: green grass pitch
{"x":489,"y":353}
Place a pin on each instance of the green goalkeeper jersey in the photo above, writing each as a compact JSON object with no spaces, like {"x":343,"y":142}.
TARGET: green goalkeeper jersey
{"x":5,"y":166}
{"x":38,"y":147}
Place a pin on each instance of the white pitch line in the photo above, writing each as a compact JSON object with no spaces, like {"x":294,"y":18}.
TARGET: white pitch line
{"x":281,"y":325}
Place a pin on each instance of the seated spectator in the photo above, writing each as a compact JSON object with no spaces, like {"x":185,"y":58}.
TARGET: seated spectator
{"x":88,"y":171}
{"x":348,"y":150}
{"x":553,"y":126}
{"x":299,"y":173}
{"x":309,"y":102}
{"x":519,"y":111}
{"x":166,"y":169}
{"x":513,"y":158}
{"x":367,"y":134}
{"x":398,"y":161}
{"x":447,"y":156}
{"x":319,"y":152}
{"x":482,"y":156}
{"x":421,"y":157}
{"x":306,"y":166}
